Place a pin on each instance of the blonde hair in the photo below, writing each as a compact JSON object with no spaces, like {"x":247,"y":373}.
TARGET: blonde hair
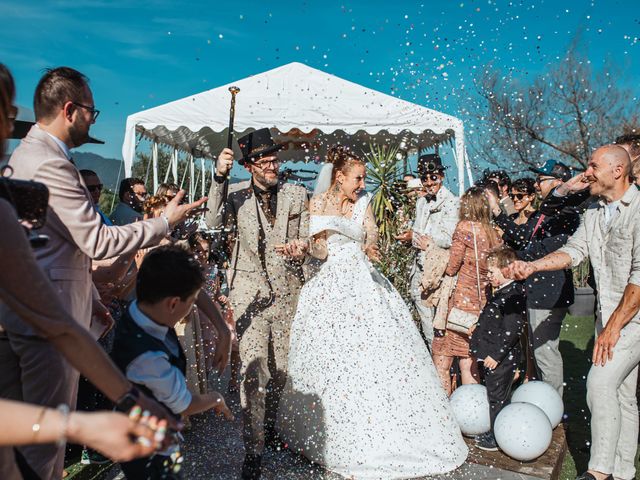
{"x":153,"y":203}
{"x":474,"y":207}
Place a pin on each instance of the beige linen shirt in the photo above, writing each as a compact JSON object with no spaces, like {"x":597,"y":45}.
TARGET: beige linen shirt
{"x":613,"y":249}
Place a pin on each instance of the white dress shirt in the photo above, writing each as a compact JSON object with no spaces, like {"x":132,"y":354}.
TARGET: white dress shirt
{"x":153,"y":369}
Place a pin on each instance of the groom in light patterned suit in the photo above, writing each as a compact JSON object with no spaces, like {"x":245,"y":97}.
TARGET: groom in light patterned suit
{"x":261,"y":217}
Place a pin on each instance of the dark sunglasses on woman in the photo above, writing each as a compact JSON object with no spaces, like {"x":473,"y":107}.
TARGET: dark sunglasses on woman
{"x":518,"y":196}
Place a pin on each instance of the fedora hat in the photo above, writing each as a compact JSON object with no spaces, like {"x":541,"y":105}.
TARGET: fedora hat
{"x":257,"y":144}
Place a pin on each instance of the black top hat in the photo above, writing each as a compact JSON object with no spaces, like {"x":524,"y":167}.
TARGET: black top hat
{"x":257,"y":144}
{"x":430,"y":163}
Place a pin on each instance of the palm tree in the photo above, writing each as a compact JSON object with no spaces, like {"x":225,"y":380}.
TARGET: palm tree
{"x":391,"y":208}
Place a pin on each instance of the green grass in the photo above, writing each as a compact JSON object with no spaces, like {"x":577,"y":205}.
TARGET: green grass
{"x":576,"y":346}
{"x":576,"y":342}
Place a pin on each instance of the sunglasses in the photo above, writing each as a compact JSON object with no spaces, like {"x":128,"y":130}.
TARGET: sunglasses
{"x":89,"y":109}
{"x":540,"y":180}
{"x":518,"y":196}
{"x":95,"y":188}
{"x":433,"y":177}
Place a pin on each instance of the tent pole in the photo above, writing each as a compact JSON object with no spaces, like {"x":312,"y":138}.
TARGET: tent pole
{"x":468,"y":165}
{"x":184,"y":176}
{"x":154,"y":156}
{"x":166,"y":174}
{"x":192,"y":175}
{"x":204,"y":178}
{"x":174,"y":166}
{"x":460,"y":165}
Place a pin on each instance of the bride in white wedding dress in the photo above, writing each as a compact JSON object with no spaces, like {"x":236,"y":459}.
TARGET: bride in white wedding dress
{"x":363,"y":398}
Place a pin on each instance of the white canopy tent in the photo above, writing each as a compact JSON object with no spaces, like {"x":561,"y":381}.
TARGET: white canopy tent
{"x":305,"y":107}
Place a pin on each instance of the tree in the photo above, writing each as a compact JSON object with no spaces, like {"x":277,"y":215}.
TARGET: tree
{"x":564,"y":113}
{"x":393,"y":211}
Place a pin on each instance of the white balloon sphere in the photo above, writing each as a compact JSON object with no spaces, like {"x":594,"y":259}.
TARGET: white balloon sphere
{"x":543,"y":396}
{"x":522,"y":431}
{"x":471,"y":408}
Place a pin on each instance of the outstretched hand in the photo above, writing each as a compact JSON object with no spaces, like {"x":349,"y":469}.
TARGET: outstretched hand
{"x":405,"y":236}
{"x":296,"y":249}
{"x":519,"y":270}
{"x":573,"y":185}
{"x":177,"y":213}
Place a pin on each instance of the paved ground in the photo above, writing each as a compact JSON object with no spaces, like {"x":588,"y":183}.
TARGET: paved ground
{"x":213,"y":451}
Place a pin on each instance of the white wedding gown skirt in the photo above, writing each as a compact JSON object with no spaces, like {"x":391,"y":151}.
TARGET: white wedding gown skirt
{"x":363,"y":398}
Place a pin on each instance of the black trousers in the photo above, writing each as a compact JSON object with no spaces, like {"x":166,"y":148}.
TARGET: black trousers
{"x":149,"y":468}
{"x":498,"y":382}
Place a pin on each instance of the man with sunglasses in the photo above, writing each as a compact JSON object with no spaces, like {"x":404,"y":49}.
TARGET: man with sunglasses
{"x":132,"y":194}
{"x":435,"y":221}
{"x":94,"y":185}
{"x":264,"y":219}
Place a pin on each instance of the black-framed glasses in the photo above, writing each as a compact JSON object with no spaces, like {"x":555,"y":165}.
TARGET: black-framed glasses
{"x":95,"y":188}
{"x":92,"y":110}
{"x":263,"y":162}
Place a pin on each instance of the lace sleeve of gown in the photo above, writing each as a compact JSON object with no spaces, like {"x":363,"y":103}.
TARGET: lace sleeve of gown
{"x":317,"y":242}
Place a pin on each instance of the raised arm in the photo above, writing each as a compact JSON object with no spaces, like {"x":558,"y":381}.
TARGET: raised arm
{"x":216,"y":204}
{"x":80,"y":223}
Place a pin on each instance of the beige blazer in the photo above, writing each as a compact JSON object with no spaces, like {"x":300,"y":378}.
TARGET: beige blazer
{"x":247,"y":276}
{"x":76,"y":232}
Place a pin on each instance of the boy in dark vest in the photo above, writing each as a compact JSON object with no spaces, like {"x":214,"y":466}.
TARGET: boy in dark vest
{"x":147,"y":350}
{"x":496,"y":339}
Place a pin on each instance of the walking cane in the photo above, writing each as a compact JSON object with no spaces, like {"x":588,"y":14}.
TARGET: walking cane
{"x":225,"y":188}
{"x":232,"y":113}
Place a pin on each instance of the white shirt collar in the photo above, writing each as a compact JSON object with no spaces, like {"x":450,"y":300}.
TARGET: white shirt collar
{"x":60,"y":143}
{"x":145,"y":323}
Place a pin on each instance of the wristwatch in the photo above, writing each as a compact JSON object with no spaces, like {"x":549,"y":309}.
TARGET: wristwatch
{"x":128,"y":400}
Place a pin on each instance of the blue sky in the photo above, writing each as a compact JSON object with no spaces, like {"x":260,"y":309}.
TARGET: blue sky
{"x":139,"y":54}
